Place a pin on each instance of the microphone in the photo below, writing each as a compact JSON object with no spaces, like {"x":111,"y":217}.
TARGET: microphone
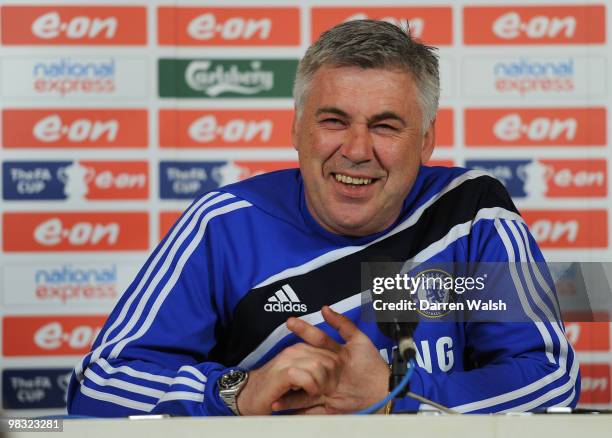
{"x":393,"y":325}
{"x":401,"y":333}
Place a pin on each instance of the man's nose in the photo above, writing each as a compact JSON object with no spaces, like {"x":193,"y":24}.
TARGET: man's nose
{"x":358,"y":146}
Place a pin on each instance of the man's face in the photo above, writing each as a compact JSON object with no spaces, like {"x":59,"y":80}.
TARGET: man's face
{"x":360,"y":143}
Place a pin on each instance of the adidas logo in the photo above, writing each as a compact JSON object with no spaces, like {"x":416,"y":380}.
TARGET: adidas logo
{"x":285,"y":300}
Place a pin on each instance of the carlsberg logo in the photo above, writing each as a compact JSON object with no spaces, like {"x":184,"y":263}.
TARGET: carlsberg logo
{"x":200,"y":76}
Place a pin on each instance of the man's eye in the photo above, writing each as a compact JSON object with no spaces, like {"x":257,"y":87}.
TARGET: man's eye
{"x":385,"y":127}
{"x":332,"y":122}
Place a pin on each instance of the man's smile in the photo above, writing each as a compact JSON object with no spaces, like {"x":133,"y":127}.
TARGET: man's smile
{"x":353,"y":180}
{"x":354,"y":187}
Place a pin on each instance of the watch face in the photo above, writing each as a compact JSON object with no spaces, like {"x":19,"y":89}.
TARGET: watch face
{"x":231,"y":379}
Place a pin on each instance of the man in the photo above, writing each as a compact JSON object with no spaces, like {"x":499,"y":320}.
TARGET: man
{"x":209,"y":325}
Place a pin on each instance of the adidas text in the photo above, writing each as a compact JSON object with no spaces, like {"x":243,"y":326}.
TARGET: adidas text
{"x":285,"y":307}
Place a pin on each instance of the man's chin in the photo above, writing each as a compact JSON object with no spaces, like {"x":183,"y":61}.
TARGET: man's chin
{"x":356,"y":227}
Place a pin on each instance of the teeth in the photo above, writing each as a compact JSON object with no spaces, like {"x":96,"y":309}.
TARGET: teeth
{"x":354,"y":181}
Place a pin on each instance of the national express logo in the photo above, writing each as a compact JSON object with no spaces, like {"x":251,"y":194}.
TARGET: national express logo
{"x":199,"y":26}
{"x":75,"y":180}
{"x":545,"y":178}
{"x":65,"y":76}
{"x":433,"y":25}
{"x":207,"y":78}
{"x":75,"y":231}
{"x":68,"y":283}
{"x":569,"y":75}
{"x":94,"y":285}
{"x":74,"y":76}
{"x":558,"y":24}
{"x":527,"y":75}
{"x":568,"y":126}
{"x":185,"y":180}
{"x":74,"y":128}
{"x":74,"y":25}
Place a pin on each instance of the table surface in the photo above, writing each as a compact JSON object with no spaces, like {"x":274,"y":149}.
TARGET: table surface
{"x":418,"y":426}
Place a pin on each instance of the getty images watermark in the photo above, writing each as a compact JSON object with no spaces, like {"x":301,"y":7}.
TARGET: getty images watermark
{"x":431,"y":293}
{"x":486,"y":292}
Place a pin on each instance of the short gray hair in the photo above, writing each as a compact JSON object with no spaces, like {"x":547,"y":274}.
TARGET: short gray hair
{"x":373,"y":44}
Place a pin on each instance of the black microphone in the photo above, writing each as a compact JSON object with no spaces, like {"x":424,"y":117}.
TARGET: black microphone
{"x":392,"y":324}
{"x":401,"y":333}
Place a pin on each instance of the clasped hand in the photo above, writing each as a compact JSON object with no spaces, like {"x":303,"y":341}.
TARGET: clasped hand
{"x":319,"y":375}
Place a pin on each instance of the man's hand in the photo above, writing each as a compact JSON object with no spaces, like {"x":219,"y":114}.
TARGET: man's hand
{"x":364,"y":375}
{"x":299,"y":369}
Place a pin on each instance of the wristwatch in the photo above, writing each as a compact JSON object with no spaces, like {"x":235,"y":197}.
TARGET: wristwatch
{"x":230,"y":385}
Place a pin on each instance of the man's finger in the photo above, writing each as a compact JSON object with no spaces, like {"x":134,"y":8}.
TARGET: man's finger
{"x":341,"y":323}
{"x":312,"y":335}
{"x":299,"y":378}
{"x":297,"y":400}
{"x":315,"y":410}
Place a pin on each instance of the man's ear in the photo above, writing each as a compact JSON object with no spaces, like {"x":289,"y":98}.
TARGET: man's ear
{"x":429,"y":142}
{"x":294,"y":128}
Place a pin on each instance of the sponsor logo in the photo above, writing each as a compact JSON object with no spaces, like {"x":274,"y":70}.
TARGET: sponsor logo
{"x":40,"y":388}
{"x":49,"y":335}
{"x":75,"y":181}
{"x":210,"y":78}
{"x":434,"y":25}
{"x":559,"y":76}
{"x":72,"y":25}
{"x":556,"y":24}
{"x":66,"y":76}
{"x":94,"y":284}
{"x":166,"y":220}
{"x":535,"y":127}
{"x":595,"y":383}
{"x":75,"y":77}
{"x":97,"y":180}
{"x":285,"y":300}
{"x":75,"y":128}
{"x":538,"y":179}
{"x":228,"y":26}
{"x":524,"y":76}
{"x":27,"y":180}
{"x":568,"y":228}
{"x":445,"y":128}
{"x":225,"y":128}
{"x":185,"y":180}
{"x":63,"y":231}
{"x":588,"y":336}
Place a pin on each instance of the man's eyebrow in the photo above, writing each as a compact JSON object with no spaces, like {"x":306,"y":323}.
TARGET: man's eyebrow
{"x":332,"y":110}
{"x":385,"y":116}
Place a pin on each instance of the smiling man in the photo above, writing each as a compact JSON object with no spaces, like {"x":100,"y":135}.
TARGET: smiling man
{"x":251,"y":303}
{"x":360,"y":152}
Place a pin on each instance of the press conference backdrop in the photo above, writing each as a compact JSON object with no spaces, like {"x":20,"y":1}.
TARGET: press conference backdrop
{"x":115,"y":114}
